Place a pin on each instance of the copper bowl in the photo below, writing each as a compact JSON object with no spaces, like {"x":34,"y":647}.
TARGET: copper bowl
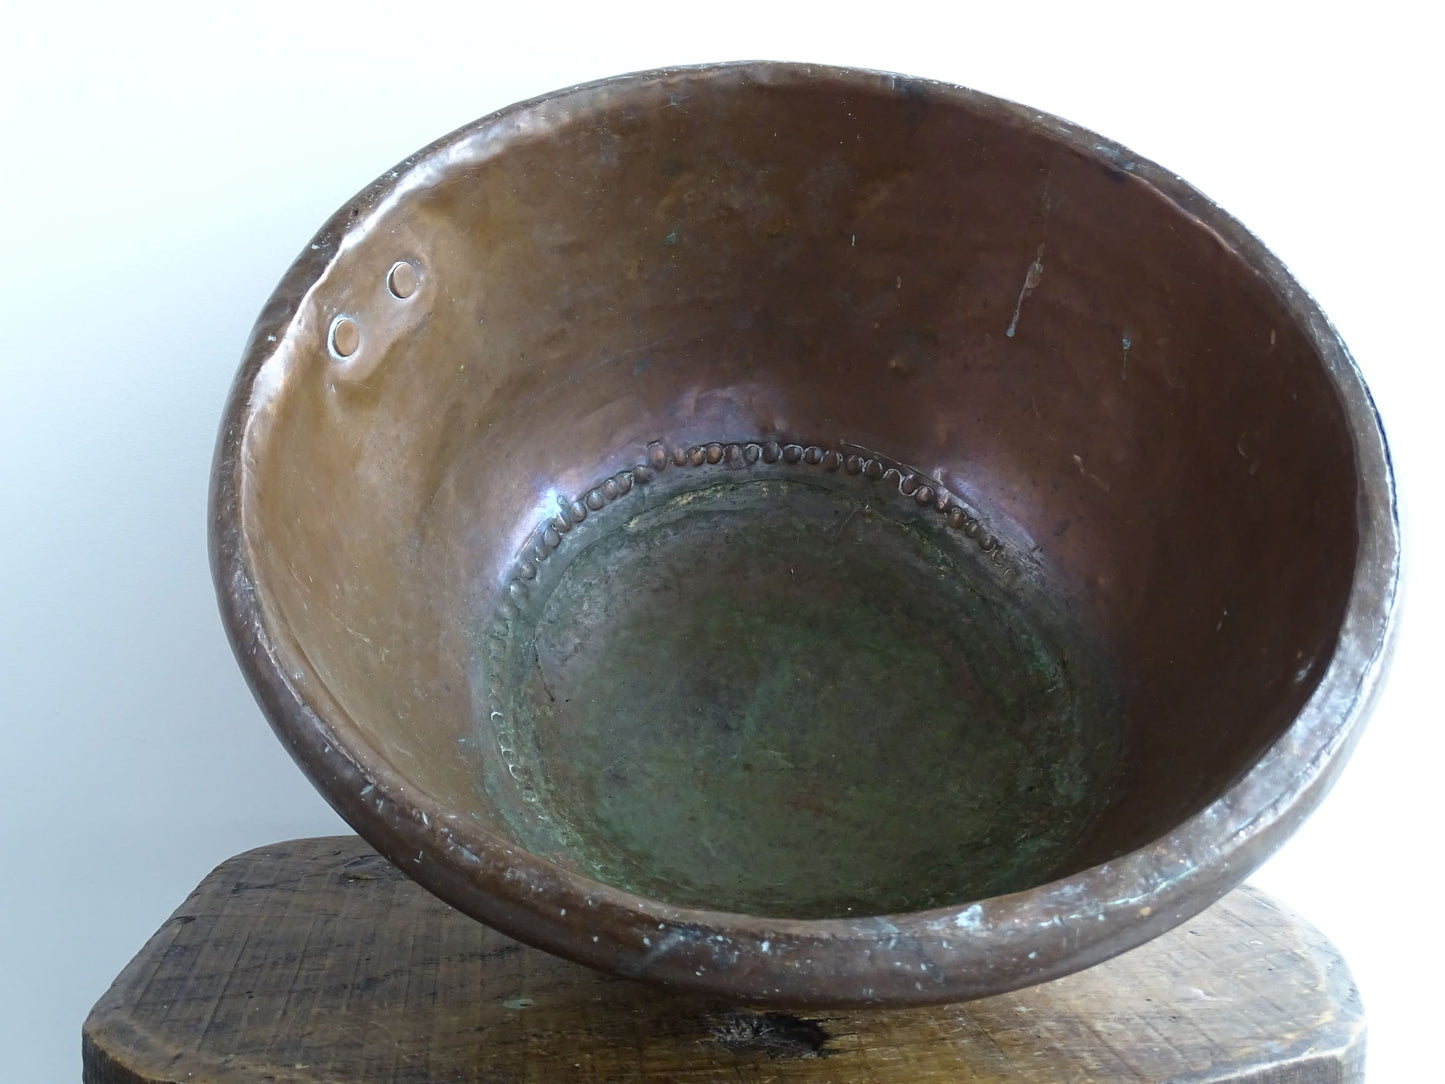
{"x":809,"y":534}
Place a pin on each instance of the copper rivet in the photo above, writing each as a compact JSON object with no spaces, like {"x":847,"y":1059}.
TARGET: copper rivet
{"x":401,"y":280}
{"x":345,"y":337}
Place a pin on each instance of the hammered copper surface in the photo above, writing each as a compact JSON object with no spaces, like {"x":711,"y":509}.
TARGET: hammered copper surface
{"x":933,"y":347}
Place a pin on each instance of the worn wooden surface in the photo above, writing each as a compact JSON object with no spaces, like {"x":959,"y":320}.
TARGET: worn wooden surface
{"x":315,"y":961}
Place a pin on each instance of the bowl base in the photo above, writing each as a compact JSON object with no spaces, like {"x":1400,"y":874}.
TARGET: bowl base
{"x":784,"y":690}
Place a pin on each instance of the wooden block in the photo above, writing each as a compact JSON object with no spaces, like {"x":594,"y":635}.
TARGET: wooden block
{"x":315,"y":960}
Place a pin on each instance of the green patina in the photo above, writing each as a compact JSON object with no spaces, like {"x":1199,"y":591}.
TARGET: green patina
{"x":780,"y":698}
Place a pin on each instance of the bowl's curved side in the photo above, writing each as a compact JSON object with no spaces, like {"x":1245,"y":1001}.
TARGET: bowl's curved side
{"x":950,"y":954}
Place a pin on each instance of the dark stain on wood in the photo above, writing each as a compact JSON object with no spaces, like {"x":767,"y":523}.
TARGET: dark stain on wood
{"x":773,"y":1034}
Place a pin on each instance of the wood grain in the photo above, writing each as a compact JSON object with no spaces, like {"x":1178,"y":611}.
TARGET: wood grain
{"x":316,"y":961}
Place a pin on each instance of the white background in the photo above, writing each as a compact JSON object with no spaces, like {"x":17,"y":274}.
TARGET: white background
{"x":162,"y":165}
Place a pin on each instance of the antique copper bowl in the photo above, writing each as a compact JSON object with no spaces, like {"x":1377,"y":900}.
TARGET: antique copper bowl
{"x":809,"y":534}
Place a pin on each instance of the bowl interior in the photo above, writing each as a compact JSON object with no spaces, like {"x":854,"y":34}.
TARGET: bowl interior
{"x":800,"y":496}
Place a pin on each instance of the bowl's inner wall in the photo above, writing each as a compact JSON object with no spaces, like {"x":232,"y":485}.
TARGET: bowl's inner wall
{"x":705,"y":257}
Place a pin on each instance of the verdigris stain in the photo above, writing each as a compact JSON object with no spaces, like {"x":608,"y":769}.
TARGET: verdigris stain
{"x":784,"y":690}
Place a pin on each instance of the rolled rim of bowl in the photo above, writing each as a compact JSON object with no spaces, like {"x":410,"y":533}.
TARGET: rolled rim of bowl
{"x":953,"y":953}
